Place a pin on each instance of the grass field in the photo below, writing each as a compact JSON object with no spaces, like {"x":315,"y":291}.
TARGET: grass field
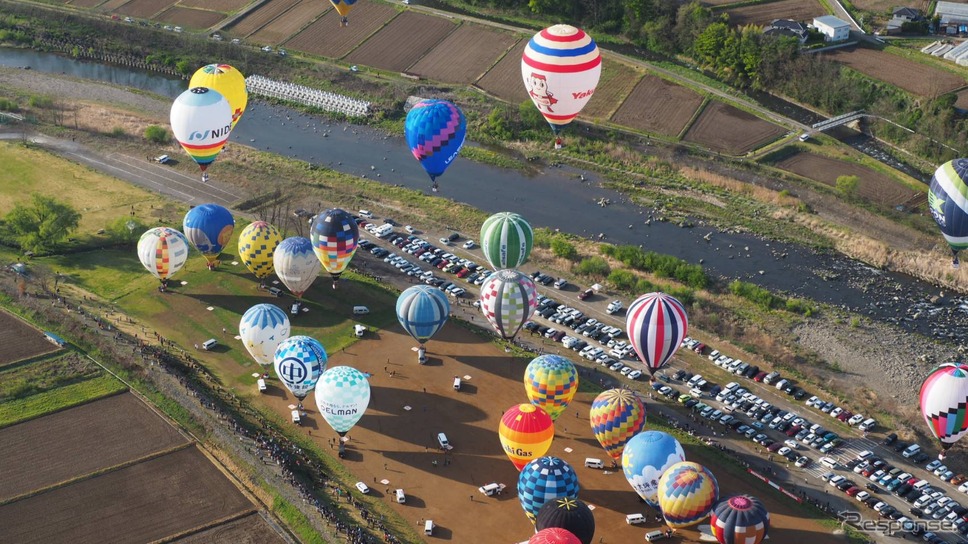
{"x":60,"y":398}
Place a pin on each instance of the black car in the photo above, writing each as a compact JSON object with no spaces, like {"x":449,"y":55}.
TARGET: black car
{"x":736,"y":423}
{"x":852,"y":463}
{"x":887,"y":511}
{"x":799,"y":394}
{"x":783,"y":426}
{"x":679,"y":374}
{"x":542,"y":329}
{"x":917,"y":512}
{"x":903,"y":489}
{"x":580,"y":345}
{"x":788,"y":388}
{"x":871,"y":501}
{"x":845,"y":485}
{"x":753,"y":370}
{"x":535,"y":274}
{"x":911,"y":498}
{"x":889,"y":439}
{"x":530,"y":326}
{"x":920,"y":457}
{"x":691,"y":402}
{"x":714,"y":390}
{"x":873,"y":488}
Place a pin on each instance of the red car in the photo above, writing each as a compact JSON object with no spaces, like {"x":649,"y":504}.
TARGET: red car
{"x":792,"y":431}
{"x":464,"y":273}
{"x":759,"y":377}
{"x":585,"y":294}
{"x":852,"y":491}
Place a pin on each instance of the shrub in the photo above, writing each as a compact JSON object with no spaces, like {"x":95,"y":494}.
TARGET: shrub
{"x":594,"y":266}
{"x":622,"y":280}
{"x":157,"y":135}
{"x":564,"y":249}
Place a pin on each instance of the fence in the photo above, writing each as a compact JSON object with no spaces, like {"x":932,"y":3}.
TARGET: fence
{"x":307,"y":96}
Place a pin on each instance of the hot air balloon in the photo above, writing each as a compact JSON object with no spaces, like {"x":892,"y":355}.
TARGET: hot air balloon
{"x":570,"y":514}
{"x":209,"y":228}
{"x":422,"y":311}
{"x":543,"y":480}
{"x":561,"y":66}
{"x":334,"y":236}
{"x":163,"y":251}
{"x":554,"y":535}
{"x":435,"y":131}
{"x":299,"y":362}
{"x":296,"y":264}
{"x":262,"y":328}
{"x":551,"y":381}
{"x":740,"y":520}
{"x":645,"y":457}
{"x":201,"y":120}
{"x":948,"y":202}
{"x":687,"y":493}
{"x":508,"y":300}
{"x":342,"y":396}
{"x":228,"y":81}
{"x":506,"y":240}
{"x":257,"y":245}
{"x":526,"y":432}
{"x":616,"y":416}
{"x":944,"y":403}
{"x":343,"y":7}
{"x":656,"y":324}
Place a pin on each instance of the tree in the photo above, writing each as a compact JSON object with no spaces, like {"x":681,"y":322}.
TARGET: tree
{"x":126,"y":230}
{"x":43,"y":224}
{"x":157,"y":135}
{"x":564,"y":249}
{"x":594,"y":266}
{"x":847,"y":185}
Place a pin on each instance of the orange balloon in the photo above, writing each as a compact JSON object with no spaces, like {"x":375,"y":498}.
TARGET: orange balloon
{"x":526,"y":432}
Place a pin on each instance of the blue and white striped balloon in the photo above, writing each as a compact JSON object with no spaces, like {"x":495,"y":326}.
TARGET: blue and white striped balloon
{"x":422,"y":311}
{"x":262,"y":328}
{"x":342,"y":395}
{"x":299,"y":362}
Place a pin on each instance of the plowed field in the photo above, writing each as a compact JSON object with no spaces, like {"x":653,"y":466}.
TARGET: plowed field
{"x":254,"y":20}
{"x":729,"y":130}
{"x":80,"y":441}
{"x":908,"y":75}
{"x":19,"y":341}
{"x":962,"y":102}
{"x":190,"y":18}
{"x":112,"y":5}
{"x":465,"y":55}
{"x":872,"y":185}
{"x":290,"y":22}
{"x":85,"y":3}
{"x":386,"y":49}
{"x":144,"y":8}
{"x":655,"y":105}
{"x":763,"y":14}
{"x":227,"y":6}
{"x":326,"y":39}
{"x":504,"y":80}
{"x":251,"y":529}
{"x":616,"y":83}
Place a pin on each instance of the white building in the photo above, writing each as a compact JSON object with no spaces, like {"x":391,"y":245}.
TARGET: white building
{"x":833,"y":29}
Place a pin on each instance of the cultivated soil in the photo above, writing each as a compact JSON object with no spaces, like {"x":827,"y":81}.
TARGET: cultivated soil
{"x":144,"y":9}
{"x":19,"y":341}
{"x":655,"y":105}
{"x":908,"y":75}
{"x":465,"y":55}
{"x":320,"y":38}
{"x":764,"y":13}
{"x":872,"y":185}
{"x":504,"y":80}
{"x":287,"y":24}
{"x":420,"y":32}
{"x":256,"y":19}
{"x":190,"y":18}
{"x":745,"y":131}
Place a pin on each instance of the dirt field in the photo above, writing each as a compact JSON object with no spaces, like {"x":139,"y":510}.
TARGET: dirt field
{"x":762,"y":14}
{"x":141,"y":503}
{"x":420,"y":32}
{"x":256,"y":19}
{"x":656,"y":105}
{"x":464,"y":55}
{"x":326,"y":39}
{"x":730,"y":130}
{"x":962,"y":102}
{"x":85,"y":3}
{"x":251,"y":529}
{"x":873,"y":185}
{"x":19,"y":341}
{"x":112,"y":5}
{"x":190,"y":18}
{"x":226,"y":6}
{"x":80,"y":441}
{"x":908,"y":75}
{"x":144,"y":9}
{"x":616,"y":83}
{"x":882,"y":7}
{"x":289,"y":23}
{"x":504,"y":80}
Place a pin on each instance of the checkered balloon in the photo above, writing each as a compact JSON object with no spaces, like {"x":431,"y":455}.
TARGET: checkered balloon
{"x":257,"y":243}
{"x":508,"y":300}
{"x":342,"y":395}
{"x":551,"y":381}
{"x":545,"y":479}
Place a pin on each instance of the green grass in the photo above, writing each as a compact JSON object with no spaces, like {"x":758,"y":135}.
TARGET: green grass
{"x":58,"y":399}
{"x":295,"y":520}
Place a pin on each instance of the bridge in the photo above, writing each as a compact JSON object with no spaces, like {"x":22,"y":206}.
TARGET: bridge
{"x":837,"y":121}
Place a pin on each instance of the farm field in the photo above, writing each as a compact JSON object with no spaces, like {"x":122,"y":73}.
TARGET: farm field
{"x":225,"y":6}
{"x":320,"y":38}
{"x":616,"y":83}
{"x":656,"y":105}
{"x":19,"y":341}
{"x":730,"y":130}
{"x":254,"y":20}
{"x":876,"y":6}
{"x":112,"y":5}
{"x":144,"y":9}
{"x":84,"y":3}
{"x":504,"y":79}
{"x":287,"y":24}
{"x":251,"y":529}
{"x":763,"y":14}
{"x":190,"y":18}
{"x":464,"y":55}
{"x":419,"y":32}
{"x":903,"y":73}
{"x":962,"y":102}
{"x":872,"y":185}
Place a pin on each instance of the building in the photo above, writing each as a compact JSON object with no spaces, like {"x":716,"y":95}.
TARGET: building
{"x":952,"y":18}
{"x":786,"y":27}
{"x":900,"y":17}
{"x":833,"y":29}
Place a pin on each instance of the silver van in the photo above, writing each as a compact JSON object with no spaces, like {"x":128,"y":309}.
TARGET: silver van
{"x":429,"y":527}
{"x":591,"y":462}
{"x":401,"y":496}
{"x":652,"y":536}
{"x":360,"y":310}
{"x":456,"y":383}
{"x":209,"y":344}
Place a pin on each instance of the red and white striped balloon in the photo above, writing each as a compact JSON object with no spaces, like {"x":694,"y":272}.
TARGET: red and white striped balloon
{"x":656,"y":324}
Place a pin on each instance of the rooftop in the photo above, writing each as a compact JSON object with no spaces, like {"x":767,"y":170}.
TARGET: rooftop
{"x":830,"y":21}
{"x":954,"y":9}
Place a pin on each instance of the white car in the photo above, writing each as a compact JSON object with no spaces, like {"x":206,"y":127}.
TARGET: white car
{"x":836,"y":480}
{"x":855,"y":419}
{"x":836,"y":412}
{"x":634,"y":375}
{"x":792,"y":444}
{"x":784,"y":450}
{"x":409,"y":229}
{"x":362,"y":487}
{"x":802,"y":462}
{"x":468,"y":244}
{"x":862,"y":496}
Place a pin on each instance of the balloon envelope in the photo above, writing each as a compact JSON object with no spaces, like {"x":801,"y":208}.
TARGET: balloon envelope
{"x":506,"y":240}
{"x":645,"y":457}
{"x":616,"y":416}
{"x":334,"y":236}
{"x":422,"y":311}
{"x":262,"y":328}
{"x":551,"y":381}
{"x":656,"y":324}
{"x":948,"y":202}
{"x":343,"y":6}
{"x":435,"y":131}
{"x":257,"y":245}
{"x":944,"y":402}
{"x":740,"y":520}
{"x":228,"y":81}
{"x":296,"y":264}
{"x":201,"y":120}
{"x":570,"y":514}
{"x":687,"y":493}
{"x":163,"y":251}
{"x":209,"y":228}
{"x":342,"y":395}
{"x":508,"y":300}
{"x":545,"y":479}
{"x":526,"y":432}
{"x":554,"y":535}
{"x":561,"y":66}
{"x":299,"y":362}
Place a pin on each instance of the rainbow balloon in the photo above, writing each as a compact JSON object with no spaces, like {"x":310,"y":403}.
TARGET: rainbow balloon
{"x":163,"y":251}
{"x":740,"y":520}
{"x":335,"y":236}
{"x":526,"y":432}
{"x":551,"y":381}
{"x":228,"y":81}
{"x":616,"y":416}
{"x":656,"y":324}
{"x":944,"y":403}
{"x":201,"y":120}
{"x":687,"y":493}
{"x":257,"y":244}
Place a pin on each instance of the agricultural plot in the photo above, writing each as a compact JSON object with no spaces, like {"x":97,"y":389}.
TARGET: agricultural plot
{"x":730,"y":130}
{"x":256,"y":19}
{"x":85,"y":3}
{"x":251,"y":529}
{"x":144,"y":9}
{"x":616,"y":83}
{"x":908,"y":75}
{"x":326,"y":39}
{"x":714,"y":3}
{"x":419,"y":32}
{"x":962,"y":102}
{"x":656,"y":105}
{"x":80,"y":441}
{"x":19,"y":341}
{"x":226,"y":6}
{"x":113,"y":5}
{"x":504,"y":79}
{"x":190,"y":18}
{"x":763,"y":14}
{"x":464,"y":55}
{"x":883,"y":7}
{"x":872,"y":185}
{"x":290,"y":22}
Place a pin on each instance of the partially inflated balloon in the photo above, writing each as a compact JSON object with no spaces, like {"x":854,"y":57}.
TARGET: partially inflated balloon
{"x":299,"y":362}
{"x":526,"y":432}
{"x":209,"y":228}
{"x":257,"y":245}
{"x":435,"y":131}
{"x":506,"y":240}
{"x":422,"y":311}
{"x":201,"y":120}
{"x":545,"y":479}
{"x":554,"y":535}
{"x":342,"y":395}
{"x":948,"y":202}
{"x":944,"y":403}
{"x":228,"y":81}
{"x":296,"y":264}
{"x":740,"y":520}
{"x":551,"y":381}
{"x":508,"y":300}
{"x":570,"y":514}
{"x":616,"y":416}
{"x":262,"y":328}
{"x":335,"y":236}
{"x":656,"y":324}
{"x":163,"y":251}
{"x":687,"y":493}
{"x":645,"y":457}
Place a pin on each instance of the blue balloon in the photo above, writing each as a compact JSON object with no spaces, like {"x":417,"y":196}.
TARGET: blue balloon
{"x":422,"y":310}
{"x":299,"y":362}
{"x":209,"y":228}
{"x":645,"y":457}
{"x":435,"y":131}
{"x":544,"y":480}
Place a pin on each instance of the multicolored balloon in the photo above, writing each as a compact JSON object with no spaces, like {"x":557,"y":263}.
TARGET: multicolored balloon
{"x":209,"y":228}
{"x":545,"y":479}
{"x":526,"y":432}
{"x":262,"y":328}
{"x":561,"y":66}
{"x":506,"y":240}
{"x":163,"y":251}
{"x":342,"y":395}
{"x":343,"y":7}
{"x":656,"y":324}
{"x":554,"y":535}
{"x":645,"y":458}
{"x":201,"y":120}
{"x":944,"y":403}
{"x":296,"y":264}
{"x":570,"y":514}
{"x":257,"y":245}
{"x":616,"y":416}
{"x":228,"y":81}
{"x":422,"y":311}
{"x":299,"y":362}
{"x":551,"y":381}
{"x":435,"y":131}
{"x":687,"y":493}
{"x":740,"y":519}
{"x":508,"y":300}
{"x":948,"y":202}
{"x":334,"y":235}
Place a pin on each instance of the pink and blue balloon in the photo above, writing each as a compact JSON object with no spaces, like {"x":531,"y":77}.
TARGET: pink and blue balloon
{"x":435,"y":131}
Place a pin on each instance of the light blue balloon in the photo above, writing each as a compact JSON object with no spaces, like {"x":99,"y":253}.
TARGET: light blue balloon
{"x":422,"y":310}
{"x":342,"y":395}
{"x":299,"y":362}
{"x":646,"y":456}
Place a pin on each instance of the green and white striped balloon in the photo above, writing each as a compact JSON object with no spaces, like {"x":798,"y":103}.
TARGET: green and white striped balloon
{"x":506,"y":239}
